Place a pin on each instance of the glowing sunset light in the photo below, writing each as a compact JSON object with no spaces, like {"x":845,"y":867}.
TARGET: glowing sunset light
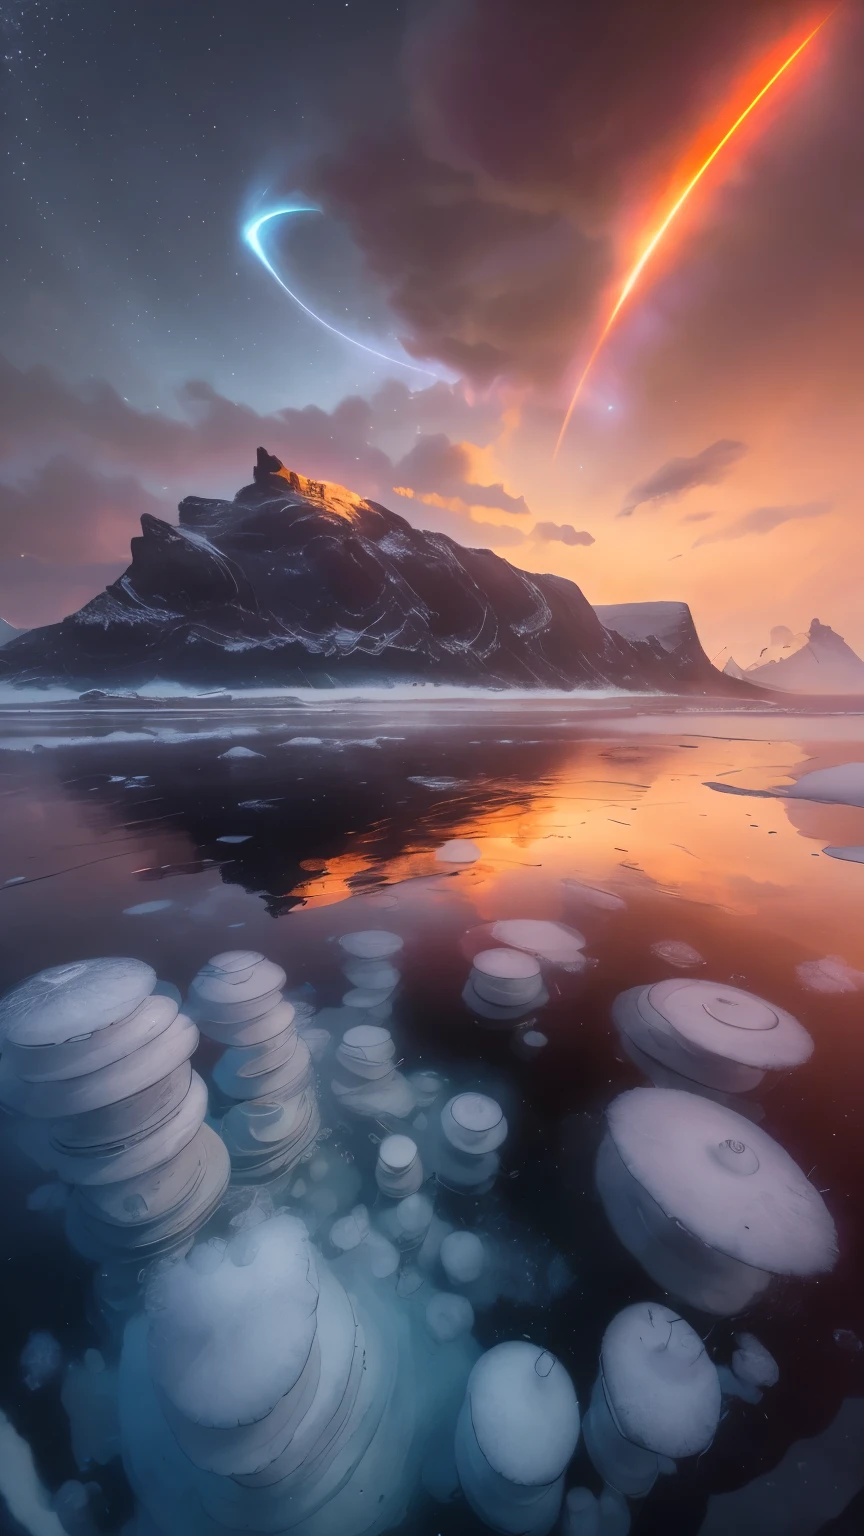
{"x":656,"y":237}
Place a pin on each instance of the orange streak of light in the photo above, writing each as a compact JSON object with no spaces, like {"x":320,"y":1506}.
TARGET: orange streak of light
{"x":648,"y":251}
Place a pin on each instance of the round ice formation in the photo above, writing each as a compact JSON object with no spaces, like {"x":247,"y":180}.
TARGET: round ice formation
{"x":473,"y":1123}
{"x":506,"y":976}
{"x":676,"y":1167}
{"x":516,"y":1434}
{"x":368,"y":1083}
{"x":458,"y":850}
{"x":829,"y":975}
{"x":462,"y":1257}
{"x":676,"y":952}
{"x":371,"y":944}
{"x":399,"y":1170}
{"x":548,"y":941}
{"x":528,"y":1043}
{"x":268,"y":1067}
{"x":593,"y":896}
{"x":235,"y":987}
{"x":351,"y":1230}
{"x":660,"y":1384}
{"x":716,"y":1035}
{"x":257,"y":1395}
{"x":67,"y":1002}
{"x":753,"y":1363}
{"x":447,"y":1316}
{"x":524,"y":1413}
{"x":259,"y":1301}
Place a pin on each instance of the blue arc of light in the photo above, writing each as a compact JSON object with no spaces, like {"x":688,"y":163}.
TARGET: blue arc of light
{"x":252,"y":236}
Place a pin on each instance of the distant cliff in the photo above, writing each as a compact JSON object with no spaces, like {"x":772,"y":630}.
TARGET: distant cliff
{"x":300,"y":583}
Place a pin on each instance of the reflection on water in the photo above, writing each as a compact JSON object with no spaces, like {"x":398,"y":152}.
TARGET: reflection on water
{"x":151,"y":835}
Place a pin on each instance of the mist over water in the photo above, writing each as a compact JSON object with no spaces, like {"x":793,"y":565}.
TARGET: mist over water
{"x":171,"y":834}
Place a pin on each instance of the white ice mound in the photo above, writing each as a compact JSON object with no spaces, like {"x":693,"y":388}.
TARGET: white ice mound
{"x":753,"y":1363}
{"x":676,"y":952}
{"x":843,"y":785}
{"x":253,"y":1299}
{"x":548,"y":941}
{"x":447,"y":1316}
{"x":524,"y":1413}
{"x":473,"y":1123}
{"x":714,"y":1034}
{"x":236,"y":986}
{"x":661,"y":1386}
{"x":458,"y":850}
{"x":516,"y":1434}
{"x":723,"y":1180}
{"x":462,"y":1257}
{"x":507,"y":977}
{"x":371,"y":944}
{"x":399,"y":1171}
{"x":832,"y":974}
{"x":67,"y":1002}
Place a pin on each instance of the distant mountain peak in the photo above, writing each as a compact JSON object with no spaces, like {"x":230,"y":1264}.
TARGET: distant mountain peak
{"x":817,"y":660}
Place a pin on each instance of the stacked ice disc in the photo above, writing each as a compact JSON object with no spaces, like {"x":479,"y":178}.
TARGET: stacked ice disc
{"x":707,"y":1203}
{"x":94,"y":1053}
{"x":503,"y":984}
{"x":657,"y":1398}
{"x":367,"y":963}
{"x":473,"y":1127}
{"x":399,"y":1171}
{"x":515,"y":1437}
{"x":721,"y":1037}
{"x":256,"y":1394}
{"x":367,"y":1081}
{"x":237,"y":1000}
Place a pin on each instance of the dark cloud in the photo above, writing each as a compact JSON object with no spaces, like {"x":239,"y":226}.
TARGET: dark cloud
{"x":763,"y":520}
{"x":561,"y":533}
{"x":476,"y":282}
{"x":437,"y":466}
{"x":683,"y":474}
{"x":62,"y":511}
{"x":489,"y":210}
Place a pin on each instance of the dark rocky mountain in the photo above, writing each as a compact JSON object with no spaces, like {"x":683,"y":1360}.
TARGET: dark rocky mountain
{"x":300,"y":583}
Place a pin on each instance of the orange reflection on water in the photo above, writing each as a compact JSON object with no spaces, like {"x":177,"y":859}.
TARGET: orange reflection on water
{"x":639,"y":818}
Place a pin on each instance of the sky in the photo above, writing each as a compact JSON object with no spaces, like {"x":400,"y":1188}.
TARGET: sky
{"x":484,"y":174}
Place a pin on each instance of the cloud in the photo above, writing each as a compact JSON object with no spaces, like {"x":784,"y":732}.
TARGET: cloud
{"x":561,"y":533}
{"x":697,"y":517}
{"x":763,"y":520}
{"x":488,"y":206}
{"x":438,"y":467}
{"x":683,"y":474}
{"x":62,"y":510}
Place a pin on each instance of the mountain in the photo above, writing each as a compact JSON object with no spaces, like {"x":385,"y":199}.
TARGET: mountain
{"x":667,"y":627}
{"x":8,"y":632}
{"x":819,"y":661}
{"x":298,"y":583}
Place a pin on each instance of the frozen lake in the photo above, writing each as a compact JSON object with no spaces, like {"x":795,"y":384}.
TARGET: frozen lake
{"x":172,"y":834}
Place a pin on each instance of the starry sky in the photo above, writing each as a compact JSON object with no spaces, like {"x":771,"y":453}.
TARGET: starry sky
{"x":486,"y":172}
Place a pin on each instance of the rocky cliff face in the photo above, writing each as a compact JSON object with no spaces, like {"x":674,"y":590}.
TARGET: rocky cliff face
{"x":299,"y":583}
